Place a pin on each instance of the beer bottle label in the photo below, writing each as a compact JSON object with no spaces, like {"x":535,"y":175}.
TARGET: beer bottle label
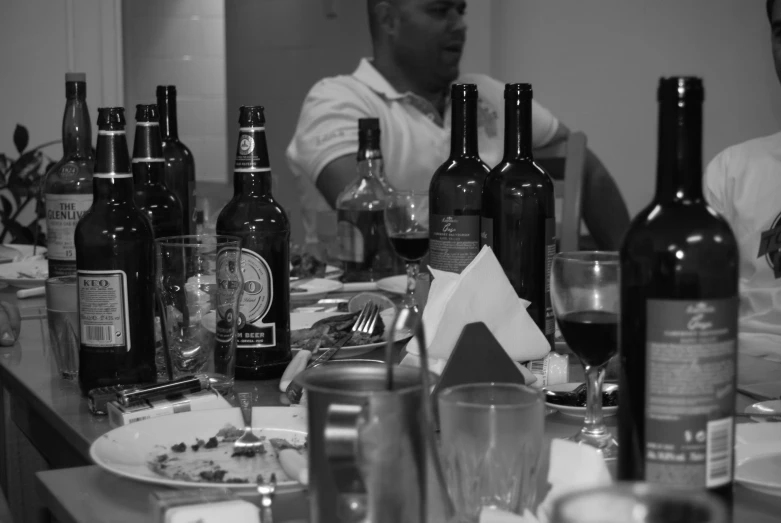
{"x":691,"y":351}
{"x":103,"y":309}
{"x":255,"y":303}
{"x":228,"y":289}
{"x":63,"y":212}
{"x":454,"y":241}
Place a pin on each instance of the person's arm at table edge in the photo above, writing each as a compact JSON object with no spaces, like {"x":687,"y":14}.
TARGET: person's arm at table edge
{"x":10,"y":323}
{"x":604,"y":210}
{"x":335,"y":176}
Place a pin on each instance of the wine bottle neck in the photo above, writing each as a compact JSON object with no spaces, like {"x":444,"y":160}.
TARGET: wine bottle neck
{"x":252,"y":172}
{"x":518,"y":128}
{"x":463,"y":138}
{"x":76,"y":128}
{"x":679,"y":162}
{"x":169,"y":127}
{"x":112,"y":181}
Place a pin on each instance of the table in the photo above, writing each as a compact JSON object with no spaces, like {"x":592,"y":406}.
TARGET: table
{"x":46,"y":432}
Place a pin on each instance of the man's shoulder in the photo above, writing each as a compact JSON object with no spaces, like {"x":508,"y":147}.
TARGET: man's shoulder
{"x":343,"y":84}
{"x":757,"y":150}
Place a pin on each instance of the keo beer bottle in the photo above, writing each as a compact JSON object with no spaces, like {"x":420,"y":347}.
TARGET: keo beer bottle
{"x":263,"y":348}
{"x":115,"y":267}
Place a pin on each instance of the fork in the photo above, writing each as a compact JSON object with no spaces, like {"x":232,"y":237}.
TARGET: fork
{"x":266,"y":491}
{"x":364,"y":324}
{"x":248,"y":442}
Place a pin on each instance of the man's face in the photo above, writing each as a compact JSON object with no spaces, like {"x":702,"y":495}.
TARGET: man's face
{"x":775,"y":32}
{"x":430,"y":39}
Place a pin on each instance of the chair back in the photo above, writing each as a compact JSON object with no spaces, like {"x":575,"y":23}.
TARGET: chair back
{"x":565,"y":163}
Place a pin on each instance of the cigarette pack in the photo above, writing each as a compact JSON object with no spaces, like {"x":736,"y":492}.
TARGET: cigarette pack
{"x":154,"y":408}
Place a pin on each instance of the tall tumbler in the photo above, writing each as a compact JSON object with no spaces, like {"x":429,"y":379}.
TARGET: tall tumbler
{"x":199,"y":285}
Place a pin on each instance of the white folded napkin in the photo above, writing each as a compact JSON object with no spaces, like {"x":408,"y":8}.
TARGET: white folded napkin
{"x":572,"y":467}
{"x":483,"y":293}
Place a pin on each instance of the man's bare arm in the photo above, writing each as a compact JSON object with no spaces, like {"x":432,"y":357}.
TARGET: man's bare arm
{"x":604,"y":210}
{"x":335,"y":177}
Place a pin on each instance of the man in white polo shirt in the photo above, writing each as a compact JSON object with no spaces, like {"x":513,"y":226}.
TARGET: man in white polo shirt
{"x":417,"y":50}
{"x":743,"y":183}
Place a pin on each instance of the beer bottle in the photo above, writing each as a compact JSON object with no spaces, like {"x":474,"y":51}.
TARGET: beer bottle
{"x":115,"y":267}
{"x":160,"y":205}
{"x":263,"y":347}
{"x":67,"y":189}
{"x":179,"y":161}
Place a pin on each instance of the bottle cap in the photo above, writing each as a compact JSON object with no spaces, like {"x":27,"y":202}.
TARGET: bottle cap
{"x":75,"y":77}
{"x":463,"y":92}
{"x":251,"y":116}
{"x":518,"y":91}
{"x":111,"y":118}
{"x":147,"y":113}
{"x":688,"y":88}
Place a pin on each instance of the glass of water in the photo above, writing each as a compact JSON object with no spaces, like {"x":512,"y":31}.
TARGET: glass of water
{"x":62,"y":315}
{"x":199,"y":285}
{"x":491,"y":439}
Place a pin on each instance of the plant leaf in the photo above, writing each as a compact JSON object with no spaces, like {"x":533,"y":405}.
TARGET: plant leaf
{"x":21,"y":138}
{"x":19,"y":233}
{"x":8,"y":207}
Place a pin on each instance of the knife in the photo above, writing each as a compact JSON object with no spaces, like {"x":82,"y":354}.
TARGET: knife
{"x":295,"y":389}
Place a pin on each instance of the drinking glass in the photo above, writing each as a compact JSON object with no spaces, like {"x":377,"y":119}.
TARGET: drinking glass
{"x":199,"y":285}
{"x":638,"y":503}
{"x":491,"y":439}
{"x":406,"y":221}
{"x":62,"y":314}
{"x":584,"y":292}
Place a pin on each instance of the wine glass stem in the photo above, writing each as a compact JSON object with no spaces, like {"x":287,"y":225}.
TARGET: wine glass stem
{"x":412,"y":278}
{"x":595,"y":376}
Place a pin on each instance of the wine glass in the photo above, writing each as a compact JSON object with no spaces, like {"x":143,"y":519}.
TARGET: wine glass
{"x":406,"y":221}
{"x":584,"y":291}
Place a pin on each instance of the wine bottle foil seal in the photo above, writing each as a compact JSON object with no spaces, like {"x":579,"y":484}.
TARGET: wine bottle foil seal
{"x":550,"y":370}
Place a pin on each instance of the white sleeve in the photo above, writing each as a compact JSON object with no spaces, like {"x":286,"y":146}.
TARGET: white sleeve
{"x":715,"y":183}
{"x":327,"y":128}
{"x":544,"y":125}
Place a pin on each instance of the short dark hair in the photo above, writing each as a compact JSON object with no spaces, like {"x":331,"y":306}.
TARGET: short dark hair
{"x":769,"y":7}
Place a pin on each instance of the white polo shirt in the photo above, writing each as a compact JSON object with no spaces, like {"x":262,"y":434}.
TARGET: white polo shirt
{"x":415,"y":140}
{"x":743,"y":183}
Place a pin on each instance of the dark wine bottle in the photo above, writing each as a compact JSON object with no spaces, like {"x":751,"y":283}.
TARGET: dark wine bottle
{"x":455,"y":193}
{"x":679,"y":315}
{"x":518,"y":216}
{"x":116,"y":268}
{"x":263,"y":346}
{"x":160,"y":205}
{"x":67,"y":189}
{"x":179,"y":161}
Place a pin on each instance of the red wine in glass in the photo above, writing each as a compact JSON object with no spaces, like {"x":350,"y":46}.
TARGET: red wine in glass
{"x":592,"y":335}
{"x":412,"y":246}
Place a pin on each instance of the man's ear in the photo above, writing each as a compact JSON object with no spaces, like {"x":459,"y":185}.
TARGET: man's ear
{"x":386,"y":15}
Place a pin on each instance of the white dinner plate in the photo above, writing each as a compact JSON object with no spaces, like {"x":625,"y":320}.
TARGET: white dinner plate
{"x":393,"y":284}
{"x":18,"y":273}
{"x":758,"y":457}
{"x":579,"y":412}
{"x":765,"y":407}
{"x":131,"y":450}
{"x":304,"y":320}
{"x":315,"y":288}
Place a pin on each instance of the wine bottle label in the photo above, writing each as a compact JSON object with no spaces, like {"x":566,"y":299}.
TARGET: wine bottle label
{"x":487,"y":232}
{"x":351,"y":246}
{"x":550,"y":252}
{"x":691,"y":352}
{"x":63,"y":212}
{"x":228,"y":289}
{"x":454,"y":241}
{"x":255,"y":303}
{"x":103,"y":309}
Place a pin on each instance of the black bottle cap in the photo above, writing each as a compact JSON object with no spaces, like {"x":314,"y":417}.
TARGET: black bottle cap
{"x":167,"y":91}
{"x":368,"y":124}
{"x":463,"y":92}
{"x":251,"y":116}
{"x":111,"y":118}
{"x":147,"y":113}
{"x":682,"y":88}
{"x":518,"y":91}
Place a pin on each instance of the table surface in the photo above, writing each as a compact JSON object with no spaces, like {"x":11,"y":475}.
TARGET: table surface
{"x":89,"y":494}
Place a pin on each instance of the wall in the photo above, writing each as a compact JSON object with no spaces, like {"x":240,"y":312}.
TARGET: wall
{"x":277,"y":49}
{"x":182,"y":43}
{"x":596,"y":64}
